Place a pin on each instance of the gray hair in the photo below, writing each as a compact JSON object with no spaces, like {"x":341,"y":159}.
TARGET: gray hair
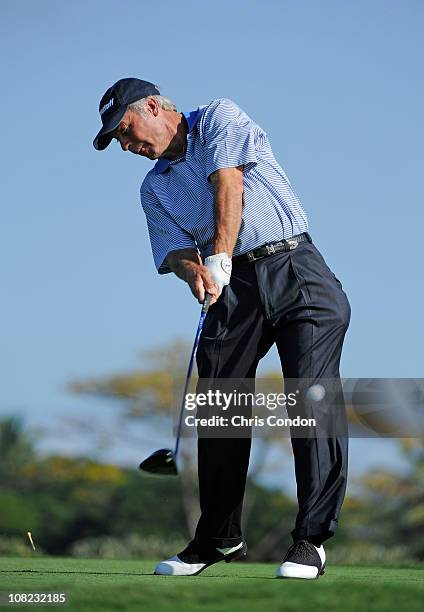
{"x":139,"y":107}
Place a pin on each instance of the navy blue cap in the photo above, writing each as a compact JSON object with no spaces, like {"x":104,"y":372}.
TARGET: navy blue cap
{"x":115,"y":102}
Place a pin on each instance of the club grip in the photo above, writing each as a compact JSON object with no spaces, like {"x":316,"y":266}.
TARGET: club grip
{"x":206,"y":303}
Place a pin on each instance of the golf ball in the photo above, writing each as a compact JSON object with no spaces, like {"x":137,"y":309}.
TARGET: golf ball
{"x":315,"y":393}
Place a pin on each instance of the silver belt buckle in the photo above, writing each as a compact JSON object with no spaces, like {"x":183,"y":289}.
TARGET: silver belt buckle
{"x":292,"y":243}
{"x":250,"y":256}
{"x":270,"y":249}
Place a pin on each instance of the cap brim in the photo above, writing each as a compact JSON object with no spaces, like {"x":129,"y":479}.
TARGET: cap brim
{"x":104,"y":138}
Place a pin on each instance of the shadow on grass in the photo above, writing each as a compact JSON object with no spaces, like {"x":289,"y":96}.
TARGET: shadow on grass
{"x":30,"y":571}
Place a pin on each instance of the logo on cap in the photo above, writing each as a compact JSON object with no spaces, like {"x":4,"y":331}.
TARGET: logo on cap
{"x":106,"y":106}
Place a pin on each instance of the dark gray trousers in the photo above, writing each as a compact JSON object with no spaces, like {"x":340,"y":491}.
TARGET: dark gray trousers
{"x":294,"y":300}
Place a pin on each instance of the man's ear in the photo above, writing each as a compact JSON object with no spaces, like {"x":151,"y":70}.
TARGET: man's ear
{"x":152,"y":106}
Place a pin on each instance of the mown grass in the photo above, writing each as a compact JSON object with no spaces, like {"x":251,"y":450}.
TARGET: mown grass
{"x":102,"y":585}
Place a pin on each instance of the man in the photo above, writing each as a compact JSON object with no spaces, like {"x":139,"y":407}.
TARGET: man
{"x":222,"y":215}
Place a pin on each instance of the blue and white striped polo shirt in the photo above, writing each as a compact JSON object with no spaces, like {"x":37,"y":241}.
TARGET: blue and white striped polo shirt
{"x":177,"y":197}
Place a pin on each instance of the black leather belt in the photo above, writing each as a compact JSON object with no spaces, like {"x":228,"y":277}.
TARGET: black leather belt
{"x":274,"y":247}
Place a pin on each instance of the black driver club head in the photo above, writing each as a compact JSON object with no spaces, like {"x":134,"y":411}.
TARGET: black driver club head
{"x":160,"y":462}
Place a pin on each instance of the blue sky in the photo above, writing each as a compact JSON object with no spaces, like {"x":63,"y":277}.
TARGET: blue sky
{"x":336,"y":85}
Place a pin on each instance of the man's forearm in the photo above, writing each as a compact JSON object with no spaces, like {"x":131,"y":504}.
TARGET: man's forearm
{"x":228,"y":198}
{"x":183,"y":262}
{"x":187,"y":264}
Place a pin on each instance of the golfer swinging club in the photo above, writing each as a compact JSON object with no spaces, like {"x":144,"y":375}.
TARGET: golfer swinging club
{"x":223,"y":216}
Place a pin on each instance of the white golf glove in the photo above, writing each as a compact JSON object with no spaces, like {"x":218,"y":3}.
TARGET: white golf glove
{"x":220,"y":267}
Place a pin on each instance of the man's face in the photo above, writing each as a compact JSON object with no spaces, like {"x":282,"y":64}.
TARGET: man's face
{"x":144,"y":135}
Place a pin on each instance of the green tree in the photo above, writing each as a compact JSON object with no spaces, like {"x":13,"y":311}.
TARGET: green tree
{"x":16,"y":450}
{"x":395,"y":502}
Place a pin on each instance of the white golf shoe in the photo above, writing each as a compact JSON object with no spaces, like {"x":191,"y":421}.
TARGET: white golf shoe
{"x":302,"y":560}
{"x":195,"y":558}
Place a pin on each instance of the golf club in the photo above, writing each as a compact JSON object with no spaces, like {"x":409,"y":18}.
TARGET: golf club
{"x":164,"y":461}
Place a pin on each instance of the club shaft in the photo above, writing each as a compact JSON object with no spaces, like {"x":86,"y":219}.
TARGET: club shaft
{"x":190,"y":369}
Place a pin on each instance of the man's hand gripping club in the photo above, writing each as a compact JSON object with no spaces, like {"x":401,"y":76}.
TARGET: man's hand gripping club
{"x":210,"y":277}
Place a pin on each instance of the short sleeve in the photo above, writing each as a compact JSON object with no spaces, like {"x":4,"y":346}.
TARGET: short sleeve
{"x":229,"y":137}
{"x":165,"y":234}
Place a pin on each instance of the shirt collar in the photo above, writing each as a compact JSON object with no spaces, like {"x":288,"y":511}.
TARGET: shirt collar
{"x":191,"y":117}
